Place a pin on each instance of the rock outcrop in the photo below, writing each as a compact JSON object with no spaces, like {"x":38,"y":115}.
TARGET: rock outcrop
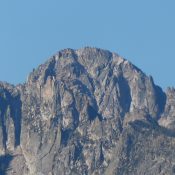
{"x":87,"y":112}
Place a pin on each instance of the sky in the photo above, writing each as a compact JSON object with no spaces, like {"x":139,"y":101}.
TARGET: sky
{"x":141,"y":31}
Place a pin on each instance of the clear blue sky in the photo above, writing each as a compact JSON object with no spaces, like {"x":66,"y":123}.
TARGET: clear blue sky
{"x":142,"y":31}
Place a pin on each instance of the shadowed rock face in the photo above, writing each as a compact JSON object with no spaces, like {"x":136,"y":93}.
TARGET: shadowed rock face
{"x":89,"y":112}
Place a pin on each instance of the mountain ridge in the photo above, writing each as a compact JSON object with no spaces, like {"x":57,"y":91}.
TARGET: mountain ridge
{"x":86,"y":111}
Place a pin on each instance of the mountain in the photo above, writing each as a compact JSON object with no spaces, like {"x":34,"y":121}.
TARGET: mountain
{"x":87,"y":112}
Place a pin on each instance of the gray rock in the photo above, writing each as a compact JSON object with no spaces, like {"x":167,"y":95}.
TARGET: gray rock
{"x":87,"y":112}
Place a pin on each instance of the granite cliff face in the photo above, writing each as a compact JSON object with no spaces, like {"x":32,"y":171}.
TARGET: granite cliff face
{"x":87,"y":112}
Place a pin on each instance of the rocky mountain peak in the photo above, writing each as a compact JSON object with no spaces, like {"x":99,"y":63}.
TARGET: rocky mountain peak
{"x":86,"y":111}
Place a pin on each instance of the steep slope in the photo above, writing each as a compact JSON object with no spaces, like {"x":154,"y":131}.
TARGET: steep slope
{"x":87,"y":111}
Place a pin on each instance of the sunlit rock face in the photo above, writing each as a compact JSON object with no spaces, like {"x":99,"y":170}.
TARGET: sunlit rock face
{"x":87,"y":112}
